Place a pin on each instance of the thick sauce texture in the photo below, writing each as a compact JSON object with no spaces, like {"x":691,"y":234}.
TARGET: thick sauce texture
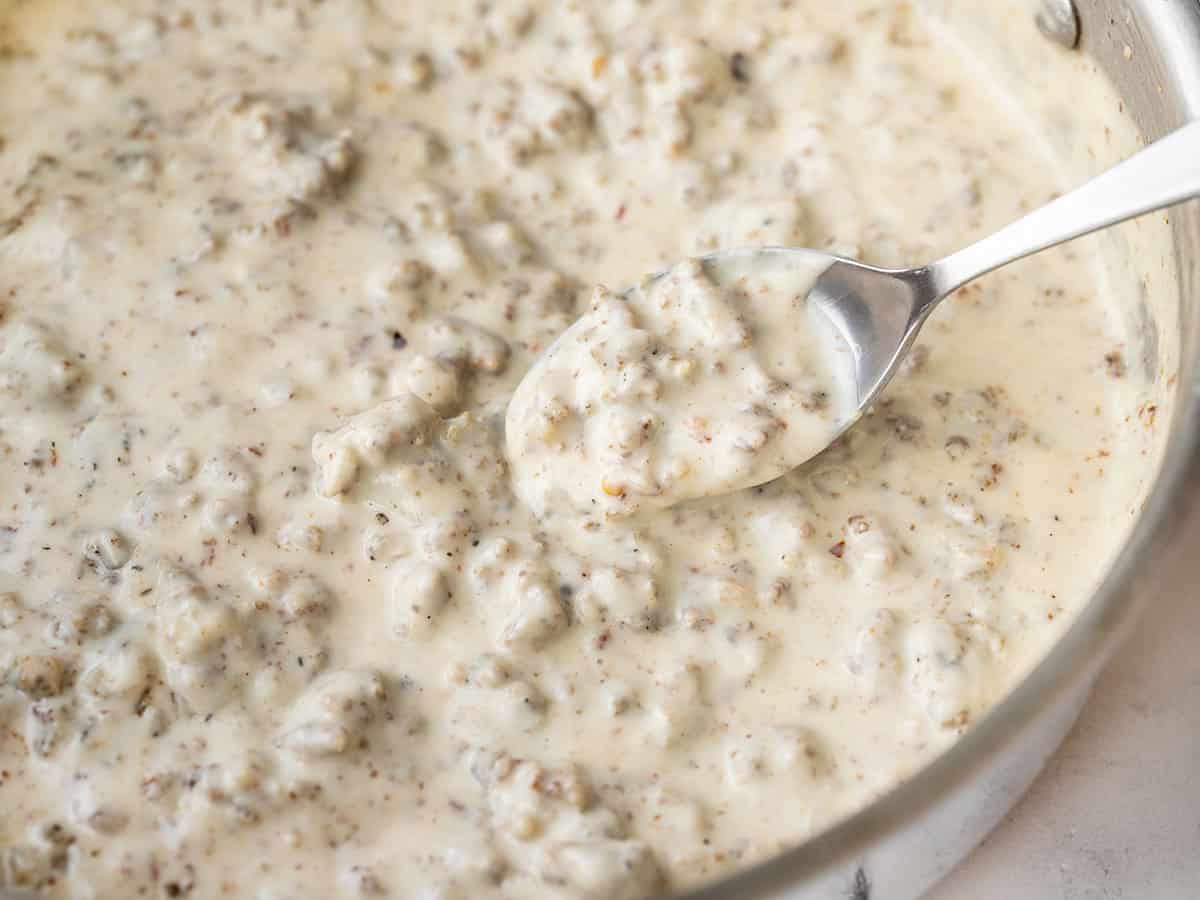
{"x":712,"y":377}
{"x":279,"y":615}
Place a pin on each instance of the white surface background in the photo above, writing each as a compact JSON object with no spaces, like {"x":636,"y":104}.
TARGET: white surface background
{"x":1116,"y":813}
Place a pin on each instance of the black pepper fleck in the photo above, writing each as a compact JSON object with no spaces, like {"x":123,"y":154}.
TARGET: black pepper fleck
{"x":739,"y":67}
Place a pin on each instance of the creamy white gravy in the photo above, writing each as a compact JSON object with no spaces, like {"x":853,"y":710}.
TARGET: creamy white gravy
{"x":274,"y":622}
{"x":708,"y":379}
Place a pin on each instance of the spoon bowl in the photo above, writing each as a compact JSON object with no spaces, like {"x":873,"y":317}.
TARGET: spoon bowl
{"x":716,"y":375}
{"x":878,"y":312}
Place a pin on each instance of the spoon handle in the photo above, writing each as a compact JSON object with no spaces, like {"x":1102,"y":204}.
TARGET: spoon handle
{"x":1164,"y":173}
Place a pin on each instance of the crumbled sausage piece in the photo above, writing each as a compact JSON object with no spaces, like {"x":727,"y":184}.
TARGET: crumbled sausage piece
{"x":534,"y":613}
{"x":367,"y":440}
{"x":551,"y":827}
{"x":284,"y":152}
{"x":419,"y":594}
{"x":333,"y":715}
{"x":39,"y":676}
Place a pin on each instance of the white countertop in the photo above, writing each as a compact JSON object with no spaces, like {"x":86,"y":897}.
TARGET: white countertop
{"x":1116,"y":813}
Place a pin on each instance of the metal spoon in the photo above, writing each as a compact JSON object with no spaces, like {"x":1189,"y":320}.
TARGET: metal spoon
{"x":875,"y":312}
{"x":879,"y":312}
